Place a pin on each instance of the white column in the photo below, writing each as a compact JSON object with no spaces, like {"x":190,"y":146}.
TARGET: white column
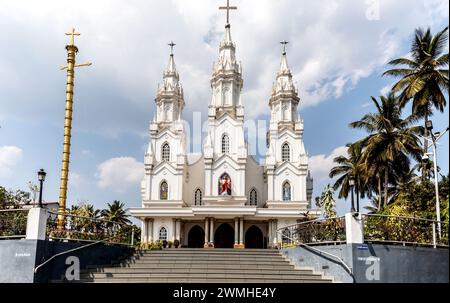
{"x":150,"y":230}
{"x":275,"y":234}
{"x":236,"y":231}
{"x":269,"y":236}
{"x":172,"y":238}
{"x":241,"y":231}
{"x":211,"y":231}
{"x":206,"y":230}
{"x":178,"y":230}
{"x":144,"y":231}
{"x":354,"y":228}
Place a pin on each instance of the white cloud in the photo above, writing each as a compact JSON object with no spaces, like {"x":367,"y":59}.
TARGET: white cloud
{"x":9,"y":157}
{"x":321,"y":165}
{"x":118,"y":174}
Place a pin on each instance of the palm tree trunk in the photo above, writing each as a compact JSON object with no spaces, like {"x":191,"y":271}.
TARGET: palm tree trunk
{"x":386,"y":176}
{"x":379,"y":192}
{"x":357,"y":196}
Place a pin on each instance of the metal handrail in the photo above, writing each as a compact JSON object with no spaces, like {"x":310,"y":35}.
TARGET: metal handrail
{"x":313,"y":221}
{"x":94,"y":220}
{"x":433,"y":226}
{"x":89,"y":218}
{"x":12,"y":210}
{"x":339,"y":259}
{"x":403,"y":217}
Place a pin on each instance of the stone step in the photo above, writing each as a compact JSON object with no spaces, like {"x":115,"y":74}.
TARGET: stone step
{"x":205,"y":252}
{"x":213,"y":250}
{"x":210,"y":280}
{"x":190,"y":261}
{"x":155,"y":255}
{"x":206,"y":258}
{"x":290,"y":276}
{"x":188,"y":266}
{"x":202,"y":266}
{"x":133,"y":271}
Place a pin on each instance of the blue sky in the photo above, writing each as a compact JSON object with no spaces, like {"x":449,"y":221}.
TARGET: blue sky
{"x":337,"y":52}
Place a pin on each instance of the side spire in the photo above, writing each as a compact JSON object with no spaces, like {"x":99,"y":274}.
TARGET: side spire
{"x":169,"y":98}
{"x":284,"y":82}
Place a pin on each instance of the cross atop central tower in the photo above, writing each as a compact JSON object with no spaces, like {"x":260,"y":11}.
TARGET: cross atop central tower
{"x":228,"y":8}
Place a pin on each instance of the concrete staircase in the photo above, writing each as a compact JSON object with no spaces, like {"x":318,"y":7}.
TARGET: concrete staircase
{"x":204,"y":266}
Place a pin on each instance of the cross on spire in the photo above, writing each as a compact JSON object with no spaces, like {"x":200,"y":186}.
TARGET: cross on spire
{"x":228,"y":8}
{"x":171,"y":44}
{"x":284,"y":43}
{"x":72,"y":34}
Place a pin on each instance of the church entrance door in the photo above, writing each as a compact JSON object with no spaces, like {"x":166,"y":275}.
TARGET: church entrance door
{"x":196,"y":237}
{"x":254,"y":238}
{"x":224,"y":236}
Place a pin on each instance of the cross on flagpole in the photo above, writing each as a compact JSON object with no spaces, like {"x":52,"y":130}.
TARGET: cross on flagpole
{"x":72,"y":34}
{"x":284,"y":43}
{"x":228,"y":8}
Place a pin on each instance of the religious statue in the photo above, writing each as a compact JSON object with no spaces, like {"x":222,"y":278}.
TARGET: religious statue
{"x":225,"y":185}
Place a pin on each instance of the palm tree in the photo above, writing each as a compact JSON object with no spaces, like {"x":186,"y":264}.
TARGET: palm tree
{"x":425,"y":75}
{"x":116,"y":213}
{"x":349,"y":168}
{"x":391,"y":141}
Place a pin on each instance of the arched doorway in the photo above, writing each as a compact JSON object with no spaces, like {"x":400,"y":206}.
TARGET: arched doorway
{"x":196,"y":237}
{"x":254,"y":238}
{"x":224,"y":236}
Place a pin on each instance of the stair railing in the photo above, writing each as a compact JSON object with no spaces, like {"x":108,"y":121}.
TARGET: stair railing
{"x":281,"y":232}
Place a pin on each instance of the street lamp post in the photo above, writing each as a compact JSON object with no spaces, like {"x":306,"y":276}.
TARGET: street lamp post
{"x":434,"y":139}
{"x":41,"y":178}
{"x":352,"y":185}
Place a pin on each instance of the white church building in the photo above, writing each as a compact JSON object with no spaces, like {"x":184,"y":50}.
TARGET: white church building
{"x":225,"y":198}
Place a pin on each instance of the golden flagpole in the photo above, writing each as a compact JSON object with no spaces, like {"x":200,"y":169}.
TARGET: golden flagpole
{"x":72,"y":50}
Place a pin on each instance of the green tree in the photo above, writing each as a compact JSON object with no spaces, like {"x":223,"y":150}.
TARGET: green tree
{"x":390,"y":142}
{"x":327,"y":202}
{"x":116,"y":213}
{"x":425,"y":75}
{"x":349,"y":167}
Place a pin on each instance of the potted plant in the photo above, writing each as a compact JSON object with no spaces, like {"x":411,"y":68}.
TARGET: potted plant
{"x":170,"y":243}
{"x":176,"y":243}
{"x":164,"y":244}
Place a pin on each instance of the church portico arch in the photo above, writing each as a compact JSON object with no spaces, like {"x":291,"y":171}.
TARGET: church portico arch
{"x":224,"y":236}
{"x":254,"y":237}
{"x":196,"y":237}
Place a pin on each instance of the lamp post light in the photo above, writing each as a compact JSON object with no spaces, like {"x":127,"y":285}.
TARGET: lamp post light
{"x":351,"y":182}
{"x":41,"y":178}
{"x":434,"y":139}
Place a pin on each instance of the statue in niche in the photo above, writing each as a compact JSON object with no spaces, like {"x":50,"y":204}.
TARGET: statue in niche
{"x":225,"y":185}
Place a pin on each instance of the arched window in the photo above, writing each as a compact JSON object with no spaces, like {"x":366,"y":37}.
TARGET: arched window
{"x":163,"y":234}
{"x":224,"y":185}
{"x":164,"y":191}
{"x":165,"y":152}
{"x":225,"y":144}
{"x":253,"y":197}
{"x":198,"y":197}
{"x":285,"y":153}
{"x":286,"y":191}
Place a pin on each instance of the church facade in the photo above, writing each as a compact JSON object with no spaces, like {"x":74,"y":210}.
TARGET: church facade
{"x":225,"y":198}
